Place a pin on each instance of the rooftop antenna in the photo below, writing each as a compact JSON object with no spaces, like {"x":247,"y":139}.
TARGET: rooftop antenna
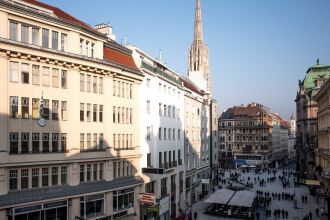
{"x":125,"y":40}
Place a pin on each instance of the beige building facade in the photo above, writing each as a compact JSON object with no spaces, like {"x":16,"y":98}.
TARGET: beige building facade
{"x":69,"y":142}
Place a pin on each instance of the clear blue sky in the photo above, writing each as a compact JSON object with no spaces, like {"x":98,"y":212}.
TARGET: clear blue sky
{"x":259,"y":49}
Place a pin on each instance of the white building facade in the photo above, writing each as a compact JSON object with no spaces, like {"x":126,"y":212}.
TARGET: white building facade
{"x":162,"y":136}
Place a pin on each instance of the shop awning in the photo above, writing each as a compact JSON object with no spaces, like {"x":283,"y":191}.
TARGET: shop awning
{"x":221,"y":196}
{"x":242,"y":198}
{"x":312,"y":182}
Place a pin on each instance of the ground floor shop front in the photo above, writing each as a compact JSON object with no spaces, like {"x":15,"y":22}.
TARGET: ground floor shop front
{"x":98,"y":202}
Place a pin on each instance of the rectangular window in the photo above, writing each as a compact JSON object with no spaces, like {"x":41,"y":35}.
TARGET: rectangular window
{"x":13,"y":179}
{"x":148,"y":106}
{"x":35,"y":74}
{"x":88,"y":84}
{"x":94,"y":113}
{"x":54,"y":176}
{"x":101,"y":85}
{"x":89,"y":172}
{"x":45,"y":142}
{"x":101,"y":171}
{"x":35,"y":108}
{"x":13,"y":106}
{"x":45,"y":179}
{"x":64,"y":41}
{"x":89,"y":112}
{"x":101,"y":113}
{"x":35,"y":177}
{"x":13,"y":71}
{"x":95,"y":171}
{"x":64,"y":171}
{"x":25,"y":138}
{"x":114,"y":88}
{"x":63,"y":142}
{"x":131,"y":116}
{"x":13,"y":139}
{"x":82,"y":173}
{"x":123,"y":115}
{"x":63,"y":110}
{"x":82,"y":107}
{"x":148,"y":83}
{"x":95,"y":84}
{"x":130,"y":91}
{"x":45,"y":38}
{"x":81,"y":46}
{"x":173,"y":134}
{"x":46,"y":109}
{"x":114,"y":141}
{"x":25,"y":73}
{"x":179,"y":134}
{"x":82,"y":141}
{"x":164,"y":133}
{"x":94,"y":141}
{"x":35,"y":36}
{"x":55,"y":78}
{"x":148,"y":133}
{"x":160,"y":109}
{"x":64,"y":81}
{"x":25,"y":107}
{"x":101,"y":141}
{"x":35,"y":142}
{"x":165,"y":110}
{"x":82,"y":82}
{"x":45,"y":76}
{"x":55,"y":144}
{"x":92,"y":50}
{"x":13,"y":31}
{"x":169,"y":133}
{"x":160,"y":133}
{"x":55,"y":40}
{"x":87,"y":48}
{"x":24,"y":178}
{"x":114,"y":114}
{"x":55,"y":110}
{"x":89,"y":139}
{"x":24,"y":34}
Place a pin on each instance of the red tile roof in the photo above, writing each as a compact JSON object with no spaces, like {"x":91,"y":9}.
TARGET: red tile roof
{"x":119,"y":57}
{"x":246,"y":111}
{"x":190,"y":86}
{"x":63,"y":15}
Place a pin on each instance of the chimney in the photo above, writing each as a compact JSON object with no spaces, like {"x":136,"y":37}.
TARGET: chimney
{"x":106,"y":28}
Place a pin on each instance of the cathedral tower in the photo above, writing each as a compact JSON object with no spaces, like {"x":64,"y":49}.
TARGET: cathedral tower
{"x":198,"y":63}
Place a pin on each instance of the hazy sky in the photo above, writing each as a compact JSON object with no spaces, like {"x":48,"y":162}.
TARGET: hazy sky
{"x":259,"y":49}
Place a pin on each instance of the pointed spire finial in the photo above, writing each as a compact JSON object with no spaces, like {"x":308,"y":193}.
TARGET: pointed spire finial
{"x":198,"y":22}
{"x":317,"y":61}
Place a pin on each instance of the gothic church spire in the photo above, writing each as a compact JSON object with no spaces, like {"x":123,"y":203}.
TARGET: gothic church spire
{"x":198,"y":22}
{"x":198,"y":61}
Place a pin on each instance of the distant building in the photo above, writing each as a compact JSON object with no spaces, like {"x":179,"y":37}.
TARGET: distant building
{"x":251,"y":135}
{"x":306,"y":106}
{"x":292,"y":138}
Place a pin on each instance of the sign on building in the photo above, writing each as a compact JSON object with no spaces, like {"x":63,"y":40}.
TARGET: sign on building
{"x":148,"y":198}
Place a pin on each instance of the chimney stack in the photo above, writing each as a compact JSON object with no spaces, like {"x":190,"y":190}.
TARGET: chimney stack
{"x":106,"y":28}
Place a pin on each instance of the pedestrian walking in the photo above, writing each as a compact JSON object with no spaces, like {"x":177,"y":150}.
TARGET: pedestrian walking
{"x":258,"y":215}
{"x":310,"y":215}
{"x":195,"y":215}
{"x":317,"y":212}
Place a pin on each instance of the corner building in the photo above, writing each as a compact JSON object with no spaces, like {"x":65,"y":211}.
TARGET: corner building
{"x":161,"y":140}
{"x":82,"y":159}
{"x":306,"y":107}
